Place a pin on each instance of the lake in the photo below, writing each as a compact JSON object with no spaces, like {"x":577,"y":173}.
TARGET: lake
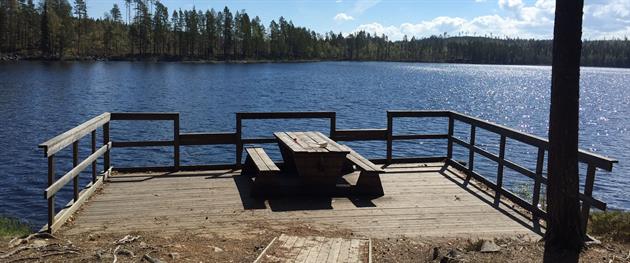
{"x":39,"y":100}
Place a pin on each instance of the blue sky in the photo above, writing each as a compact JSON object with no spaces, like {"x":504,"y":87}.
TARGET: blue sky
{"x":603,"y":19}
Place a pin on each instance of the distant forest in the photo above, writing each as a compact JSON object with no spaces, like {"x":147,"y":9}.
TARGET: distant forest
{"x":147,"y":30}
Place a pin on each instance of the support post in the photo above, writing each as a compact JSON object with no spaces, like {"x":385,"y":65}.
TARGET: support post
{"x":471,"y":150}
{"x":500,"y":166}
{"x":176,"y":158}
{"x":588,"y":193}
{"x":390,"y":135}
{"x":333,"y":125}
{"x":106,"y":160}
{"x":75,"y":162}
{"x":51,"y":200}
{"x":93,"y":151}
{"x":449,"y":148}
{"x":239,"y":140}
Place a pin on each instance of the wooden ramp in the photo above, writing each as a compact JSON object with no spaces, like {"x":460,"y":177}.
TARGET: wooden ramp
{"x":421,"y":200}
{"x":316,"y":249}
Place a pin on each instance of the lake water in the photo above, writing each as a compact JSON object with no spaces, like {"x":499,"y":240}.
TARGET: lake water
{"x":39,"y":100}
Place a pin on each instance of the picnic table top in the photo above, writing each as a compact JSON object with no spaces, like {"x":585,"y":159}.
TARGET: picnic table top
{"x":310,"y":142}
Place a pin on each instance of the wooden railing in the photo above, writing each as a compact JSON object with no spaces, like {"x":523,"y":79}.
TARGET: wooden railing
{"x":72,"y":137}
{"x":236,"y":139}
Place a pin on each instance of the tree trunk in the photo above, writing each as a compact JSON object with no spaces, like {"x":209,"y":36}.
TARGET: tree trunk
{"x":564,"y":238}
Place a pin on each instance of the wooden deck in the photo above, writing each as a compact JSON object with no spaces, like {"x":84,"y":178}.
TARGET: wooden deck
{"x":427,"y":199}
{"x":296,"y":249}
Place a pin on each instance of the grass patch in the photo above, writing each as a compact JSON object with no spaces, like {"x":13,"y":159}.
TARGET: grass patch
{"x":611,"y":224}
{"x":11,"y":227}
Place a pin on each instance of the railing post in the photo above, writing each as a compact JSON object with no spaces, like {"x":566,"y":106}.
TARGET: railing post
{"x":537,"y":181}
{"x":390,"y":133}
{"x":75,"y":162}
{"x":239,"y":140}
{"x":106,"y":160}
{"x":449,"y":149}
{"x":93,"y":151}
{"x":471,"y":152}
{"x":176,"y":158}
{"x":51,"y":200}
{"x":333,"y":125}
{"x":500,"y":166}
{"x":588,"y":193}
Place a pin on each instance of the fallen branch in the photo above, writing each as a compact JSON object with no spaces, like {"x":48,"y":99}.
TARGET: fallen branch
{"x":44,"y":255}
{"x":127,"y":239}
{"x":151,"y":259}
{"x":19,"y":241}
{"x":15,"y":251}
{"x":115,"y":252}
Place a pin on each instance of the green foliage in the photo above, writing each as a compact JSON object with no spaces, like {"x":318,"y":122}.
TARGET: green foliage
{"x":611,"y":224}
{"x":11,"y":227}
{"x":51,"y":30}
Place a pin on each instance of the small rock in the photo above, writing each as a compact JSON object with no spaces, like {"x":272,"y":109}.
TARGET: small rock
{"x":489,"y":247}
{"x":126,"y":252}
{"x":451,"y":257}
{"x":174,"y":255}
{"x":143,"y":245}
{"x":37,"y":243}
{"x":436,"y":253}
{"x":151,"y":259}
{"x":219,"y":250}
{"x":91,"y":237}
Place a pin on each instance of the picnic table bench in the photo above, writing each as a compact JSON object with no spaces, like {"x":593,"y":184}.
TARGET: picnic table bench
{"x":259,"y":164}
{"x":318,"y":161}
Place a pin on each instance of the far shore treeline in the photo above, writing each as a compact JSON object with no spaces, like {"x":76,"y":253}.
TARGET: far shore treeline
{"x":147,"y":30}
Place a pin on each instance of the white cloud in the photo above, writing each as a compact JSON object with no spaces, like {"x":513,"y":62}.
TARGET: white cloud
{"x":343,"y":17}
{"x":510,"y":4}
{"x":609,"y":19}
{"x":616,"y":8}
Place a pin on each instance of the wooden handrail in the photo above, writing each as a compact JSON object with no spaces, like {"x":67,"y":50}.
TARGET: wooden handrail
{"x":599,"y":161}
{"x":65,"y":139}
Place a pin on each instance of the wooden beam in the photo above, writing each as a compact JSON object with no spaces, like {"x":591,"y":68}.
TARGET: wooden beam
{"x":63,"y":140}
{"x":207,"y":138}
{"x":145,"y":116}
{"x":287,"y":115}
{"x":56,"y":186}
{"x":142,"y":144}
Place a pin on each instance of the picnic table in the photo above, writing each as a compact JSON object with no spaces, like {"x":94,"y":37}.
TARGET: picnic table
{"x":313,"y":156}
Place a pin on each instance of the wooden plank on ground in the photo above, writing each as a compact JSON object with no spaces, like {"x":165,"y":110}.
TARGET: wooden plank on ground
{"x":310,"y":249}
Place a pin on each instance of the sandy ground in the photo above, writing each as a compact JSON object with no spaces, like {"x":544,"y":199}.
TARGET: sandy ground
{"x":208,"y":247}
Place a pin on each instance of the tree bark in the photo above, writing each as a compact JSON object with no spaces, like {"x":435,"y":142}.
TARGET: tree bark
{"x":564,"y":239}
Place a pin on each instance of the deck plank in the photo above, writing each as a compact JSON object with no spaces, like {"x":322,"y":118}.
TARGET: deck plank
{"x":420,"y":200}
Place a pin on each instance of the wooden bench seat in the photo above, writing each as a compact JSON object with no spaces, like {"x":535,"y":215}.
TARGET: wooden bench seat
{"x":369,"y":181}
{"x":259,"y":164}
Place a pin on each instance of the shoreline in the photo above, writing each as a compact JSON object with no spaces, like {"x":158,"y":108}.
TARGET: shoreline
{"x":9,"y":58}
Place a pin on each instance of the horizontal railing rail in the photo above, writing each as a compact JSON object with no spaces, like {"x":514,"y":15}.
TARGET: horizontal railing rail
{"x":593,"y":161}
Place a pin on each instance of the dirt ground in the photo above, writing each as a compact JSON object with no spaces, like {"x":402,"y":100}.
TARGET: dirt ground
{"x":207,"y":247}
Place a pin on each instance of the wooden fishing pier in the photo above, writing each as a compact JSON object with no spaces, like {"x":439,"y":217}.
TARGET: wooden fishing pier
{"x":412,"y":196}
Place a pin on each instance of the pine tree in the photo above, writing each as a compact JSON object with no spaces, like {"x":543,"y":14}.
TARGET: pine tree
{"x":227,"y":32}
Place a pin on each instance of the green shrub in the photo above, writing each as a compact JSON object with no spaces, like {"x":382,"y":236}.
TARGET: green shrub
{"x":11,"y":227}
{"x":611,"y":224}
